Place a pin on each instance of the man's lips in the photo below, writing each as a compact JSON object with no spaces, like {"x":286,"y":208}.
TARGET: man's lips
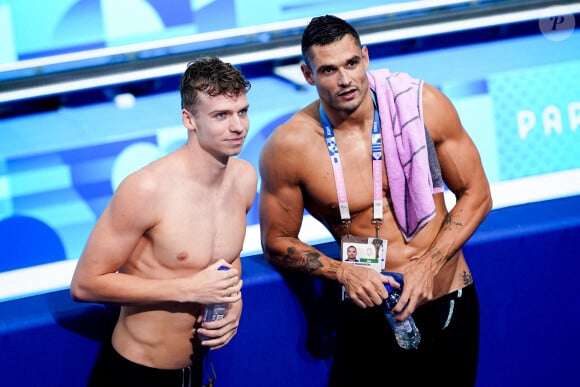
{"x":237,"y":140}
{"x":347,"y":93}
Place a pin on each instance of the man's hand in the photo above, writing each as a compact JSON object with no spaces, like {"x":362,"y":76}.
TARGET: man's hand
{"x":418,"y":289}
{"x":364,"y":286}
{"x":213,"y":286}
{"x":219,"y":332}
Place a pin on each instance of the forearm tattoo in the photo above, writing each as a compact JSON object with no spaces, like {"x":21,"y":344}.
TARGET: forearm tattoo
{"x":306,"y":262}
{"x":438,"y":255}
{"x":451,"y":222}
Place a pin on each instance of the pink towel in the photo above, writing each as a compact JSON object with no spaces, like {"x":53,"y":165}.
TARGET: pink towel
{"x":406,"y":154}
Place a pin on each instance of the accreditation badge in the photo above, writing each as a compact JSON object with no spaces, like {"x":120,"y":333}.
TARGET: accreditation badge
{"x":361,"y":251}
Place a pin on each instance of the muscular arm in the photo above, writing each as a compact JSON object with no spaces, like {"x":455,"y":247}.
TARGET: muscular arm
{"x":281,"y":209}
{"x":463,"y":173}
{"x":281,"y":215}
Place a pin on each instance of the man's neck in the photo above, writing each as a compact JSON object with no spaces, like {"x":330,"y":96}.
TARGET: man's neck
{"x":205,"y":166}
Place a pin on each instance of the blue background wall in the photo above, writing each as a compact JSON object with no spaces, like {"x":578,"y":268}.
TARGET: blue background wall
{"x":524,"y":259}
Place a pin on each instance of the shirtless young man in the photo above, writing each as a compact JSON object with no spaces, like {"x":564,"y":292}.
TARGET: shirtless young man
{"x":297,"y":173}
{"x":157,"y":247}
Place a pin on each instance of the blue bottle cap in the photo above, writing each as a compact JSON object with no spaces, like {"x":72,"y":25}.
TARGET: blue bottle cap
{"x":397,"y":276}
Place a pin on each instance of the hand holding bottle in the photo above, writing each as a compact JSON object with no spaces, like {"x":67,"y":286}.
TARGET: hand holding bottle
{"x":406,"y":332}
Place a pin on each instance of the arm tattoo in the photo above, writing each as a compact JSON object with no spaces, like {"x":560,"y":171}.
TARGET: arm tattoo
{"x":306,"y":262}
{"x":438,"y":255}
{"x":451,"y":222}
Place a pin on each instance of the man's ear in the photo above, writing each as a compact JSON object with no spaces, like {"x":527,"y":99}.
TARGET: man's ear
{"x":188,"y":119}
{"x":307,"y":73}
{"x":365,"y":56}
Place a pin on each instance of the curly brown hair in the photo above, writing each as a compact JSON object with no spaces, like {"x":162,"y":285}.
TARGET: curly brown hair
{"x":213,"y":76}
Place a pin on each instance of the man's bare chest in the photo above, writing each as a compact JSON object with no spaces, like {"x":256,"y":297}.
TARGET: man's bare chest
{"x":195,"y":234}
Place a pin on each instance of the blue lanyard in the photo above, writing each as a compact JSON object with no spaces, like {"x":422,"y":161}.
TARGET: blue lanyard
{"x":377,"y":156}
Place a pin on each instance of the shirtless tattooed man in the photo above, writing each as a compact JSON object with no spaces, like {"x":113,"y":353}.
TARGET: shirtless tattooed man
{"x":369,"y":160}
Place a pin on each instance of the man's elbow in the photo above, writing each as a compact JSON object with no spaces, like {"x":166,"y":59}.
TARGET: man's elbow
{"x":78,"y":292}
{"x":486,"y":202}
{"x":273,"y":259}
{"x":489,"y":202}
{"x":480,"y":200}
{"x":270,"y":257}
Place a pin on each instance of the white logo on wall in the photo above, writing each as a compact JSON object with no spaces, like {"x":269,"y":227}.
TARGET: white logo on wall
{"x":559,"y":25}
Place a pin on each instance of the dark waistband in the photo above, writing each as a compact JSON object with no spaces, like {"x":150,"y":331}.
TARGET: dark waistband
{"x":131,"y":364}
{"x":466,"y":293}
{"x":467,"y":290}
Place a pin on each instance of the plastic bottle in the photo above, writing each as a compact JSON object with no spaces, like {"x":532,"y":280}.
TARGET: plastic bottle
{"x":214,"y":312}
{"x":406,"y":332}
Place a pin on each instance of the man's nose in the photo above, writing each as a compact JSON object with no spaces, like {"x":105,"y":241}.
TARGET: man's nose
{"x":238,"y":124}
{"x":343,"y":78}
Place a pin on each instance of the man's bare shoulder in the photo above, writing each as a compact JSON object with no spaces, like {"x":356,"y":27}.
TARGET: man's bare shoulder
{"x":241,"y":164}
{"x":298,"y":131}
{"x":243,"y":170}
{"x":440,"y":115}
{"x":143,"y":179}
{"x":293,"y":147}
{"x":148,"y":180}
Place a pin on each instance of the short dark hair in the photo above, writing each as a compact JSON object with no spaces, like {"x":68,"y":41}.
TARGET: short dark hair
{"x":213,"y":76}
{"x":323,"y":30}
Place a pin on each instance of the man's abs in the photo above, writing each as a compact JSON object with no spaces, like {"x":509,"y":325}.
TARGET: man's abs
{"x":155,"y":338}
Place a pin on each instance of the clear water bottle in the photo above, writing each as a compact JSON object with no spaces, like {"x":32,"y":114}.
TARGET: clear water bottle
{"x":214,"y":312}
{"x":406,"y":332}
